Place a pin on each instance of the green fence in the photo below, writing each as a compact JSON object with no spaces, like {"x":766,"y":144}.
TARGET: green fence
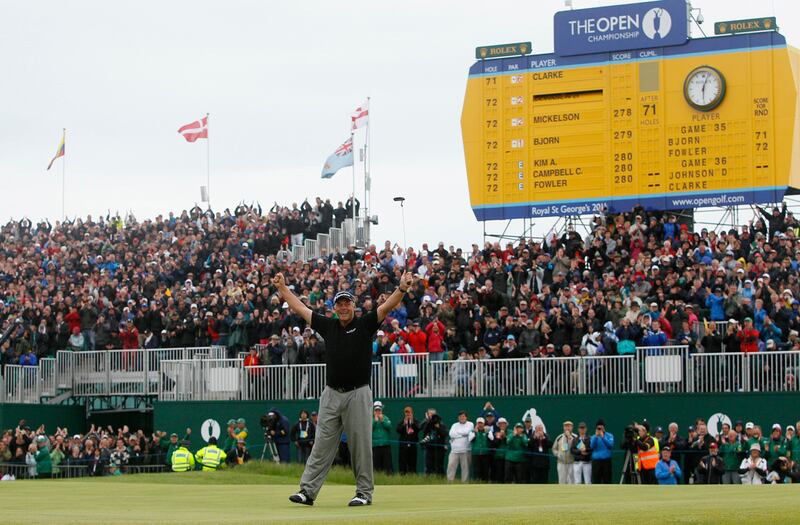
{"x":617,"y":411}
{"x":52,"y":416}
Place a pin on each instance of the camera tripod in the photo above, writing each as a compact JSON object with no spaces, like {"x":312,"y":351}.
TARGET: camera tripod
{"x":628,"y":469}
{"x":273,"y":449}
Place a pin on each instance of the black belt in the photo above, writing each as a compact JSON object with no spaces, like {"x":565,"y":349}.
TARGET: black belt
{"x":343,"y":389}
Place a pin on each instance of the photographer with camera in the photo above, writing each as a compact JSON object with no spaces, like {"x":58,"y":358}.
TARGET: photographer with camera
{"x":629,"y":474}
{"x":276,"y":429}
{"x":784,"y":470}
{"x":434,"y":441}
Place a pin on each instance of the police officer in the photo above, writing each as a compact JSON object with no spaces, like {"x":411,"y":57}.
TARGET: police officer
{"x":211,"y":456}
{"x":182,"y":459}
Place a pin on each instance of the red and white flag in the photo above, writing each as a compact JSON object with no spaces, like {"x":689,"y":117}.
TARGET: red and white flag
{"x":196,"y":130}
{"x":360,"y":116}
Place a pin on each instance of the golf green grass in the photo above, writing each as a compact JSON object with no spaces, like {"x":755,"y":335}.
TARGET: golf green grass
{"x":259,"y":494}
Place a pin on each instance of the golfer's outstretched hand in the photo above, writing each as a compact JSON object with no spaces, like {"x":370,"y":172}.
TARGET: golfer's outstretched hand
{"x":279,"y":280}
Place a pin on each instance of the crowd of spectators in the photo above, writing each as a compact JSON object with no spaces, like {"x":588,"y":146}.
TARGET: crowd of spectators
{"x":493,"y":449}
{"x":203,"y":278}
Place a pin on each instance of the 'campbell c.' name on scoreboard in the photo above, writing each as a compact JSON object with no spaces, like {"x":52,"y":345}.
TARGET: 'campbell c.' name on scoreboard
{"x":619,"y":27}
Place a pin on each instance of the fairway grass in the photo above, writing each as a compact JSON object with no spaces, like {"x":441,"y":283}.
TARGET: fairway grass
{"x":254,"y":496}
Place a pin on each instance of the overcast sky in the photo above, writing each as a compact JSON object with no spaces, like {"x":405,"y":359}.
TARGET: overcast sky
{"x":280,"y":80}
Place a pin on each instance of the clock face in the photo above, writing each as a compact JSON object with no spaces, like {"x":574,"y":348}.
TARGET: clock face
{"x":704,"y":88}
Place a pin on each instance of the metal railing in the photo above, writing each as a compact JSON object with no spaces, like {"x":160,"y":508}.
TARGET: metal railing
{"x":205,"y":373}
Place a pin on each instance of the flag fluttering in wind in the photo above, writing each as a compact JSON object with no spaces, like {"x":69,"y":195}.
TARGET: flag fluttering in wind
{"x":59,"y":151}
{"x":360,"y":116}
{"x":342,"y":157}
{"x":196,"y":130}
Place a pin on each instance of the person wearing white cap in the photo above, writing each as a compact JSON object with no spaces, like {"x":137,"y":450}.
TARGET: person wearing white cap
{"x":753,"y":468}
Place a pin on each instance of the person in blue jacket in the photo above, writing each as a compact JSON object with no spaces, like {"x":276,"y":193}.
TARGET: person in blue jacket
{"x":668,"y":472}
{"x":602,"y":443}
{"x":715,"y":302}
{"x":279,"y":430}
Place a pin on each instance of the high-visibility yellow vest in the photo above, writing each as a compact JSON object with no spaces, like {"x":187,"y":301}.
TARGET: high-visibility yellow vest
{"x":649,"y":458}
{"x":182,"y":460}
{"x":211,"y":457}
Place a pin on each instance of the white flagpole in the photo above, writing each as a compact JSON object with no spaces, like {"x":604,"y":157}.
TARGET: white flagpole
{"x":353,"y":200}
{"x":64,"y":176}
{"x":367,"y":182}
{"x":208,"y":160}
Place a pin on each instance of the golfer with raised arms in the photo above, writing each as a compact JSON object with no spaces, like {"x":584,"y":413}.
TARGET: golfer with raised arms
{"x":346,"y":402}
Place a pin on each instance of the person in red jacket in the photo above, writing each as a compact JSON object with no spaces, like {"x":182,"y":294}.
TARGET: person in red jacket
{"x":73,"y":319}
{"x":129,"y":337}
{"x":748,"y":337}
{"x":417,"y":339}
{"x":436,"y":346}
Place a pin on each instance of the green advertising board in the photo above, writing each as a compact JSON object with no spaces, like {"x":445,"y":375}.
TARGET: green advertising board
{"x":616,"y":410}
{"x":745,"y":26}
{"x":503,"y":50}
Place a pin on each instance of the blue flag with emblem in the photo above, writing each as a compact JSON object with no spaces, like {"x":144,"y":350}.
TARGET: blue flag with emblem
{"x":342,"y":157}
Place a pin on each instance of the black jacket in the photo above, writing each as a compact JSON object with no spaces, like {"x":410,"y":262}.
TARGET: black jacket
{"x":710,"y":470}
{"x":409,"y":433}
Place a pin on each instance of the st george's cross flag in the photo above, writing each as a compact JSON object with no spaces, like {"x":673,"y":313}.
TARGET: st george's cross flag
{"x":196,"y":130}
{"x":342,"y":157}
{"x":360,"y":117}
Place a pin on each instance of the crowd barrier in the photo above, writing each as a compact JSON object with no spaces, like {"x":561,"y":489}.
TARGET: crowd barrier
{"x":206,"y":373}
{"x":651,"y":370}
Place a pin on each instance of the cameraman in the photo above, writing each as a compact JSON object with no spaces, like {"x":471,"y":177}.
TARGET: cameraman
{"x":277,"y":429}
{"x":629,"y":445}
{"x":434,"y":440}
{"x":782,"y":469}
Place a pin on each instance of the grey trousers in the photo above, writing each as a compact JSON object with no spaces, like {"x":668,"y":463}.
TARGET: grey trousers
{"x":351,"y":412}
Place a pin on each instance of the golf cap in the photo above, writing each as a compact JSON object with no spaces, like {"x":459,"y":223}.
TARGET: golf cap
{"x":343,"y":295}
{"x":713,"y":445}
{"x":480,"y":420}
{"x":231,"y":422}
{"x":776,"y":426}
{"x":749,"y":425}
{"x":755,"y":446}
{"x":377,"y":405}
{"x":502,"y":420}
{"x":519,"y":425}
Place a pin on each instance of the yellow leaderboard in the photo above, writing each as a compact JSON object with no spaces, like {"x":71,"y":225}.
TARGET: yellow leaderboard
{"x":712,"y":122}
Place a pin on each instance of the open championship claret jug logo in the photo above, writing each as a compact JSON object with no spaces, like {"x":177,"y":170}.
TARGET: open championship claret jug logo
{"x":656,"y":23}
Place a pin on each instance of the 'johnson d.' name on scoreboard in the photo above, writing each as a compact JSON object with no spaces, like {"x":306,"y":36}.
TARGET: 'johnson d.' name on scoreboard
{"x":621,"y":27}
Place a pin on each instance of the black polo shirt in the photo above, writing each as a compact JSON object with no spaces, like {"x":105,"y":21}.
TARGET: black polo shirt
{"x":348,"y":349}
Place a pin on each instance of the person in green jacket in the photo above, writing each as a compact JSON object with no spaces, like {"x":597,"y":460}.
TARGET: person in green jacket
{"x":230,"y":440}
{"x":57,"y":457}
{"x":498,"y":444}
{"x":516,"y":444}
{"x":381,"y":451}
{"x":44,"y":464}
{"x":794,"y":443}
{"x":758,"y":439}
{"x":778,"y":445}
{"x":481,"y":451}
{"x":731,"y":450}
{"x":175,"y":445}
